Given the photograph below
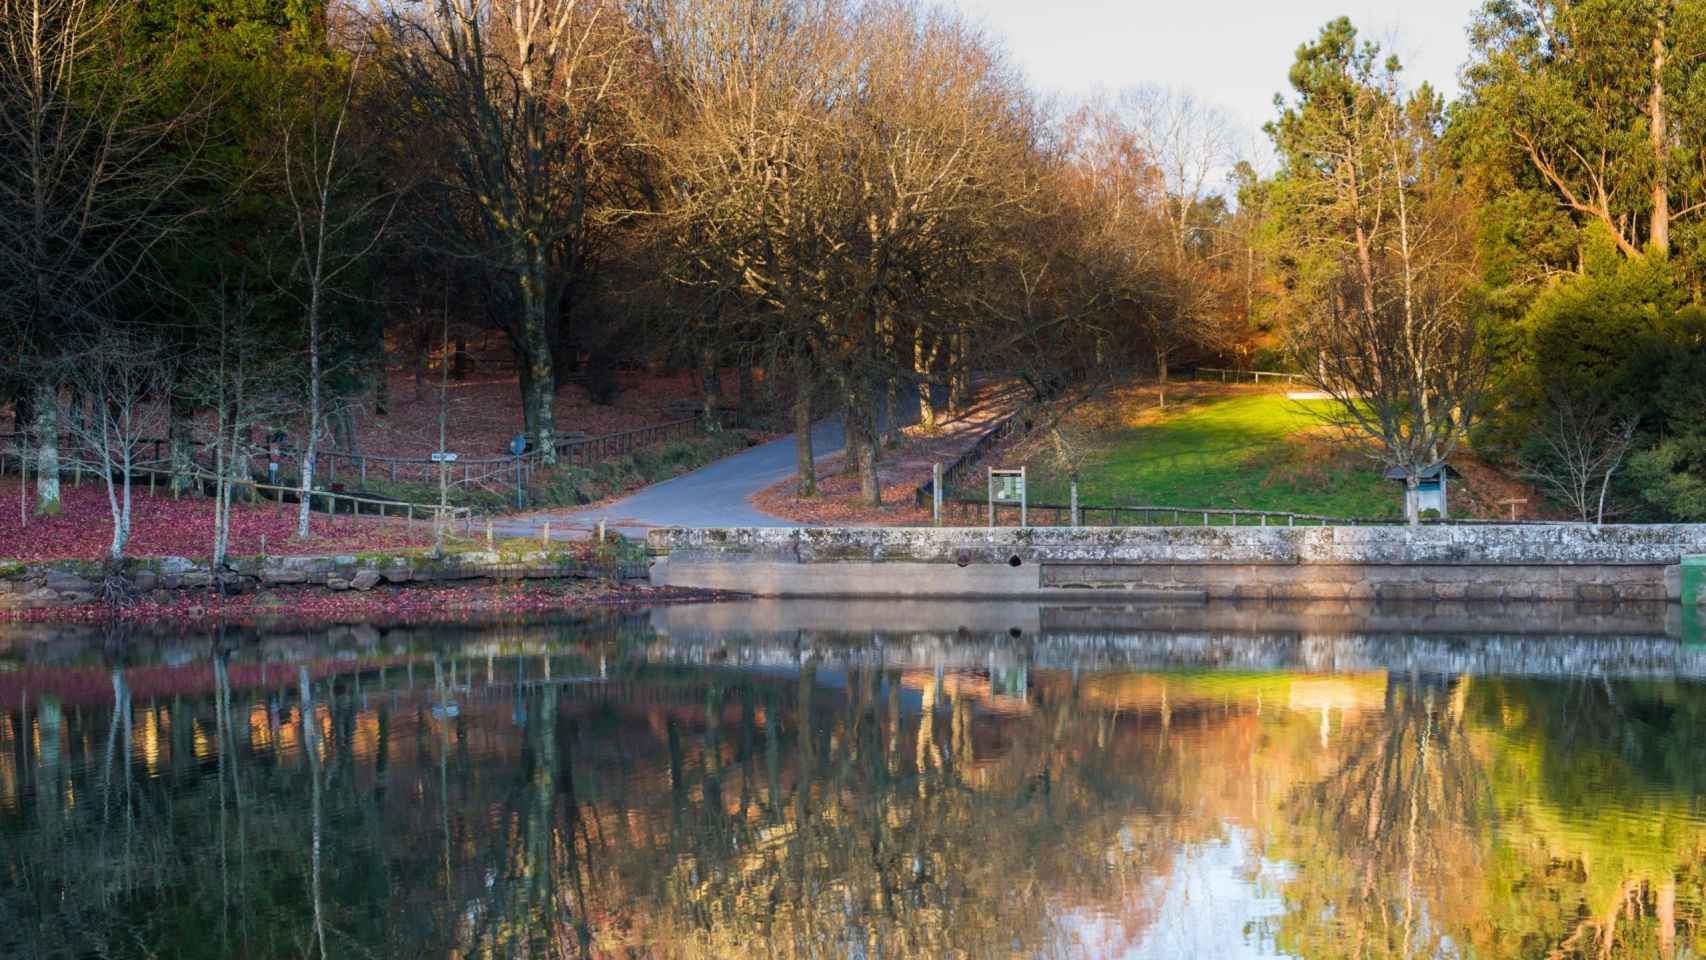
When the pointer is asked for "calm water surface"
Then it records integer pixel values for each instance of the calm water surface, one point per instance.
(830, 780)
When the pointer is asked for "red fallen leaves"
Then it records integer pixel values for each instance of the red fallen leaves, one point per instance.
(417, 603)
(161, 526)
(485, 411)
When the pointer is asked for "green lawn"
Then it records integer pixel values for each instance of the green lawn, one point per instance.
(1248, 451)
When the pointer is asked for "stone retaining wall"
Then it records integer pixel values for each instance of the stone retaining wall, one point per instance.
(1515, 562)
(65, 583)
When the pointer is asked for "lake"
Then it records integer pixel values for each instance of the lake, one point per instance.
(826, 779)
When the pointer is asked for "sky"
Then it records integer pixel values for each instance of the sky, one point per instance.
(1234, 53)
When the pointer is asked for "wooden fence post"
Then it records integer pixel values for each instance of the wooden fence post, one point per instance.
(545, 537)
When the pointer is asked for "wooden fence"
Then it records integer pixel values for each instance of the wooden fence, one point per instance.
(158, 472)
(1244, 376)
(506, 473)
(509, 474)
(966, 463)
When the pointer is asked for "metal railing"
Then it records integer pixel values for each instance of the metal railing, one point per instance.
(975, 512)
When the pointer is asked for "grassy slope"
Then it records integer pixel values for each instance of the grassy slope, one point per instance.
(1248, 450)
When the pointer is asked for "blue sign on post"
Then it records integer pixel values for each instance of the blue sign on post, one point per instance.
(517, 447)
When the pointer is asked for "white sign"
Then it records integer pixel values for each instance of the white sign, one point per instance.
(1007, 486)
(444, 458)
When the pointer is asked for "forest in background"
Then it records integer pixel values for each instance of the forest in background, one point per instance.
(218, 217)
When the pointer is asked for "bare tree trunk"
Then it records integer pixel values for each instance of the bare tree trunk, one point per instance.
(182, 452)
(805, 464)
(311, 447)
(748, 399)
(423, 349)
(542, 381)
(440, 523)
(46, 430)
(529, 410)
(862, 439)
(923, 362)
(710, 390)
(382, 382)
(1160, 380)
(1659, 234)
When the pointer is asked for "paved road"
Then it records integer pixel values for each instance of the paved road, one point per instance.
(712, 496)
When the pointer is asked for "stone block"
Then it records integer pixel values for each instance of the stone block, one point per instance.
(365, 580)
(41, 597)
(60, 581)
(1596, 592)
(337, 583)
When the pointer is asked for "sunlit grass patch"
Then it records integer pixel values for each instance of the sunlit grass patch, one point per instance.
(1256, 451)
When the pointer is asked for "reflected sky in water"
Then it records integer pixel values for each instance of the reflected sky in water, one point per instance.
(832, 780)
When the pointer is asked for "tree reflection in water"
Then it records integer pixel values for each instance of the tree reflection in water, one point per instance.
(511, 795)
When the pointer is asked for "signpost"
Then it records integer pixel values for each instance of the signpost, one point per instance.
(518, 447)
(936, 494)
(1007, 486)
(444, 458)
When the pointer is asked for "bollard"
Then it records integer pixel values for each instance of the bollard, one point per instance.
(601, 521)
(545, 537)
(488, 533)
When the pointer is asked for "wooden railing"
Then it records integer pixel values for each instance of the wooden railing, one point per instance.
(377, 507)
(159, 472)
(1242, 376)
(502, 472)
(509, 474)
(966, 463)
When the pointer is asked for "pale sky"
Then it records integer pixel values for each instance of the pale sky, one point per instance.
(1231, 52)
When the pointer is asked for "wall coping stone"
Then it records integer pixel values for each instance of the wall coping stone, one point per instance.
(1513, 544)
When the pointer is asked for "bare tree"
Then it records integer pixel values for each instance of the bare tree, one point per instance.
(335, 226)
(1150, 157)
(243, 390)
(123, 377)
(1188, 145)
(88, 180)
(1581, 445)
(524, 91)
